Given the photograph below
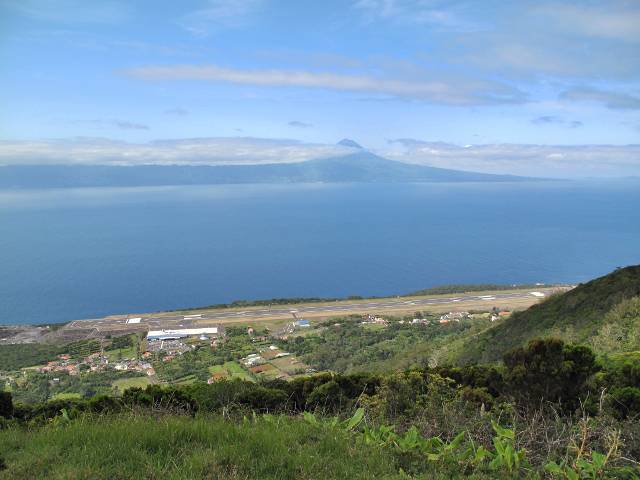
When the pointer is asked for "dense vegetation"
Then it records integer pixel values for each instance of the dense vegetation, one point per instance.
(352, 347)
(39, 387)
(518, 420)
(15, 357)
(590, 313)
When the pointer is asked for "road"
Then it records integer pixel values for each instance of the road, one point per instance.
(144, 322)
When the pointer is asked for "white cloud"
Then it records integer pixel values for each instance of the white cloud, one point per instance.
(611, 20)
(121, 124)
(421, 12)
(613, 100)
(559, 161)
(530, 160)
(556, 120)
(578, 40)
(460, 92)
(299, 124)
(195, 151)
(219, 14)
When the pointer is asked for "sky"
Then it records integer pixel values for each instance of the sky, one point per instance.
(527, 87)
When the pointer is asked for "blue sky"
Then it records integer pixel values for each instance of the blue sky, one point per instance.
(514, 80)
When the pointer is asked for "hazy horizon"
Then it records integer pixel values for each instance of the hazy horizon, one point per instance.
(547, 89)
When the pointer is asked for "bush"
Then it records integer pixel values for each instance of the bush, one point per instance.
(172, 399)
(548, 370)
(264, 399)
(103, 403)
(625, 402)
(6, 405)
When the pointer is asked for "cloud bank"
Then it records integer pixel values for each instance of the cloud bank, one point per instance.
(445, 91)
(560, 161)
(192, 151)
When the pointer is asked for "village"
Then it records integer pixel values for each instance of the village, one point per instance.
(214, 353)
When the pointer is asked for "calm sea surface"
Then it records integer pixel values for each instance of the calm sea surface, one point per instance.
(82, 253)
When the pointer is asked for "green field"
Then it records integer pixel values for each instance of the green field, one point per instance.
(120, 353)
(213, 369)
(188, 380)
(66, 396)
(122, 384)
(232, 370)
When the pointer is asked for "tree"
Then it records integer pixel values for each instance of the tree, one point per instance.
(6, 404)
(549, 370)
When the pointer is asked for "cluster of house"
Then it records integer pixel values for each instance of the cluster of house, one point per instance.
(66, 365)
(453, 317)
(169, 347)
(291, 327)
(370, 319)
(135, 366)
(264, 356)
(96, 362)
(498, 315)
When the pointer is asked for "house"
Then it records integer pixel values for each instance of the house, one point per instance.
(261, 368)
(175, 334)
(453, 317)
(216, 377)
(252, 359)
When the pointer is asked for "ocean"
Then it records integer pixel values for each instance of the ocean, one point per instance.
(69, 254)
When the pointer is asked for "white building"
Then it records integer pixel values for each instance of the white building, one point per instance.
(180, 333)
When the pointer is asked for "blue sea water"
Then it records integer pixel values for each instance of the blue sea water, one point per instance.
(83, 253)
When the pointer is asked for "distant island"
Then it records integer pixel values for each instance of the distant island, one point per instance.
(361, 166)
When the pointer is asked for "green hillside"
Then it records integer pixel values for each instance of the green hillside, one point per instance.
(178, 447)
(603, 313)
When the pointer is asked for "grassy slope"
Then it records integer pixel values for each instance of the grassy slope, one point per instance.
(575, 316)
(186, 448)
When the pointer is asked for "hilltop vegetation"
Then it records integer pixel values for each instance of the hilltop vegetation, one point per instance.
(603, 313)
(518, 421)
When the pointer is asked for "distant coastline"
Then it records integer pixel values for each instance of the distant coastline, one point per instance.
(360, 167)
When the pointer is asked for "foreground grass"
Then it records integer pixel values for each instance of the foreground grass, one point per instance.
(122, 447)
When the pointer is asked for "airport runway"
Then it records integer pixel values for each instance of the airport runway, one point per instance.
(192, 320)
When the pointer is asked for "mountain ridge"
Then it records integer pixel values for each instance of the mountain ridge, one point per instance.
(360, 166)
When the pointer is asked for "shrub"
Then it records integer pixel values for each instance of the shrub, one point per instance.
(625, 402)
(6, 404)
(262, 398)
(549, 370)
